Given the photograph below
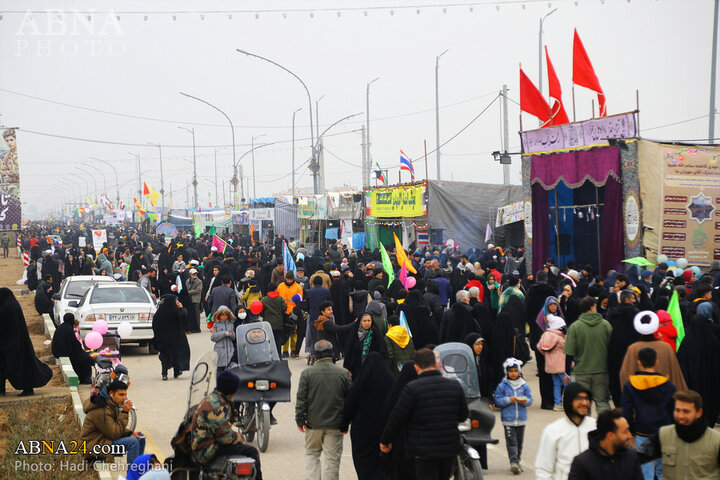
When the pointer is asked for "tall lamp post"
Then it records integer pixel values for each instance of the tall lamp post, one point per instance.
(437, 112)
(139, 184)
(252, 151)
(540, 48)
(194, 164)
(162, 178)
(312, 139)
(232, 130)
(317, 115)
(368, 168)
(117, 184)
(88, 164)
(293, 153)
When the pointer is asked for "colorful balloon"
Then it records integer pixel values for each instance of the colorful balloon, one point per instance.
(100, 327)
(410, 283)
(93, 340)
(125, 329)
(256, 307)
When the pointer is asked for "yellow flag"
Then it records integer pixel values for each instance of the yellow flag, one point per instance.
(401, 256)
(153, 195)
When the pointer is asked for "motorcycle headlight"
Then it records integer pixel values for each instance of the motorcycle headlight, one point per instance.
(262, 385)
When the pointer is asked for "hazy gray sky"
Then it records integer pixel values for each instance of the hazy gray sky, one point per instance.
(136, 66)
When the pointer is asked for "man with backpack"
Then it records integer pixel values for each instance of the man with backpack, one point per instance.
(210, 433)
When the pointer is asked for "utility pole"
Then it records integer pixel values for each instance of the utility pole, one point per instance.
(216, 182)
(713, 74)
(293, 150)
(365, 167)
(506, 135)
(437, 112)
(368, 159)
(321, 165)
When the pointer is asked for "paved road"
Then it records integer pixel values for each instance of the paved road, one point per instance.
(161, 406)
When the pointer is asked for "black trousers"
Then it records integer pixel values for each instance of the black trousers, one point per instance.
(546, 384)
(242, 449)
(433, 468)
(301, 326)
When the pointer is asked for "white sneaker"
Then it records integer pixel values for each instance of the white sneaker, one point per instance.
(515, 469)
(558, 408)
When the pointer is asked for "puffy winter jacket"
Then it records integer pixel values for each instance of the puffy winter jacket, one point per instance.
(560, 443)
(595, 464)
(273, 310)
(512, 414)
(551, 346)
(430, 408)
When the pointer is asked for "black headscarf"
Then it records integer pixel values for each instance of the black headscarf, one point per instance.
(18, 362)
(43, 302)
(699, 358)
(169, 332)
(66, 344)
(354, 361)
(417, 313)
(482, 362)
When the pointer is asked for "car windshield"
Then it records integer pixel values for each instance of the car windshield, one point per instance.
(78, 288)
(119, 295)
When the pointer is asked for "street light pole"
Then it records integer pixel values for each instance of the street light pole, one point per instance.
(540, 48)
(88, 164)
(252, 150)
(312, 139)
(437, 112)
(293, 152)
(139, 185)
(368, 168)
(232, 129)
(317, 115)
(195, 182)
(117, 183)
(162, 179)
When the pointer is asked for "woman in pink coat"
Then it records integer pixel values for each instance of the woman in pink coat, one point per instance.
(551, 346)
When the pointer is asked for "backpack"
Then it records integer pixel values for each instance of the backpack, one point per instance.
(181, 441)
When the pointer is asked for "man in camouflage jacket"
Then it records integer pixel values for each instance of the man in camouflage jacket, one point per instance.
(211, 430)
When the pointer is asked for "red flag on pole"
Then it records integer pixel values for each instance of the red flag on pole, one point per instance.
(532, 101)
(584, 73)
(558, 115)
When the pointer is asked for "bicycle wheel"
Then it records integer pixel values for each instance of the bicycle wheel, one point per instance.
(263, 430)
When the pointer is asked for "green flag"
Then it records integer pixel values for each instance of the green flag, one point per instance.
(387, 265)
(212, 230)
(198, 230)
(674, 311)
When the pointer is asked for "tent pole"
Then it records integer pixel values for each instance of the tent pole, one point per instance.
(597, 227)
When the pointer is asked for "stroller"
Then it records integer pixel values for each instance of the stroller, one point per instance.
(109, 368)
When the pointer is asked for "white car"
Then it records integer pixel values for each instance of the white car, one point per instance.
(117, 303)
(72, 290)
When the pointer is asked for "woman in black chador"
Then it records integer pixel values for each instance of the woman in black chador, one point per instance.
(170, 339)
(66, 344)
(18, 362)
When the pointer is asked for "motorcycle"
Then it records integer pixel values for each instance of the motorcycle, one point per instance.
(456, 361)
(109, 368)
(264, 378)
(223, 467)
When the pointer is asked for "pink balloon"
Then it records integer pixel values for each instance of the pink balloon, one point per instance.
(93, 340)
(410, 282)
(100, 327)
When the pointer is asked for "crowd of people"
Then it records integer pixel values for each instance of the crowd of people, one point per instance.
(593, 337)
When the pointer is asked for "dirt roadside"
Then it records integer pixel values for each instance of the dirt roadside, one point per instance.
(46, 416)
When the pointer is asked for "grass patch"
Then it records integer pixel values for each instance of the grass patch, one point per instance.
(43, 419)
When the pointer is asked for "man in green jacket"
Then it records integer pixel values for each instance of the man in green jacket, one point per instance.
(587, 341)
(318, 411)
